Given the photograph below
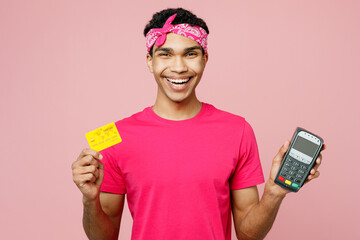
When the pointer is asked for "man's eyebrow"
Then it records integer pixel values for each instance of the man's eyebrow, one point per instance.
(192, 48)
(164, 49)
(171, 50)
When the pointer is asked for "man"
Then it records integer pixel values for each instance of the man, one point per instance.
(183, 164)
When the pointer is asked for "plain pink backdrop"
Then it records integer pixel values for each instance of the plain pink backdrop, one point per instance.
(68, 67)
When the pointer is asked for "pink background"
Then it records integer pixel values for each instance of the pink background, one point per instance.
(68, 67)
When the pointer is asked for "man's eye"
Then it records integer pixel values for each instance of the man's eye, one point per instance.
(190, 54)
(164, 54)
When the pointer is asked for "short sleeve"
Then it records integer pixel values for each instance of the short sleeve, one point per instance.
(113, 181)
(248, 171)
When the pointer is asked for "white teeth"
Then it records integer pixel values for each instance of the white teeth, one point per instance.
(178, 81)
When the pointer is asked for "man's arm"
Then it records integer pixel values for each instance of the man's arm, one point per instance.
(253, 219)
(102, 211)
(102, 217)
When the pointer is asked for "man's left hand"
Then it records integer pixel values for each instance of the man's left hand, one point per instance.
(314, 173)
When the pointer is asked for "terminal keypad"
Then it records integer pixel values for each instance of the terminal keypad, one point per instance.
(292, 172)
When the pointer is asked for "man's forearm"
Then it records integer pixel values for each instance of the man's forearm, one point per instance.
(259, 220)
(97, 224)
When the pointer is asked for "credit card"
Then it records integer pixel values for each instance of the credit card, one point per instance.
(103, 137)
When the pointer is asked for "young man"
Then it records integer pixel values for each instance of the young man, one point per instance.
(183, 164)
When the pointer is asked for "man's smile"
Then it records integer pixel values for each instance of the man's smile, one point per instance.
(178, 80)
(178, 84)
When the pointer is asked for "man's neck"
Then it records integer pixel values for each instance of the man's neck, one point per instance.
(177, 110)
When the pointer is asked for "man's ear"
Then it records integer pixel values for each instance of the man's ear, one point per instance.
(149, 60)
(205, 58)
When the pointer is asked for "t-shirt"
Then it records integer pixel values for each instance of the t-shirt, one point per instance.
(178, 174)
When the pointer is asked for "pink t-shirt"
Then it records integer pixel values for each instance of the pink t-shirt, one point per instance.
(178, 174)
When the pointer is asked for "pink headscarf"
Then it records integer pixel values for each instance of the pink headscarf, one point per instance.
(158, 35)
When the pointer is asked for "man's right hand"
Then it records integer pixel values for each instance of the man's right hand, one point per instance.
(88, 173)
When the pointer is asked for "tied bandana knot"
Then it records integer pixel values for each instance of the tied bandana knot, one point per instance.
(164, 30)
(157, 36)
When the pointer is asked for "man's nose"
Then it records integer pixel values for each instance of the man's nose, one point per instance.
(178, 65)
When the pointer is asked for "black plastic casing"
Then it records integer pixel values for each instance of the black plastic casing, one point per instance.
(309, 167)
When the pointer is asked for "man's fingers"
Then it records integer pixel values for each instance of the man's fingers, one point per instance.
(81, 180)
(89, 160)
(91, 152)
(314, 173)
(85, 160)
(278, 159)
(323, 147)
(314, 170)
(313, 176)
(87, 169)
(318, 162)
(91, 166)
(280, 155)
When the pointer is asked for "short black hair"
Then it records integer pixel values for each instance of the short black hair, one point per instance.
(183, 16)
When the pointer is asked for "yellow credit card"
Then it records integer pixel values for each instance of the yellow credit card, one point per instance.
(103, 137)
